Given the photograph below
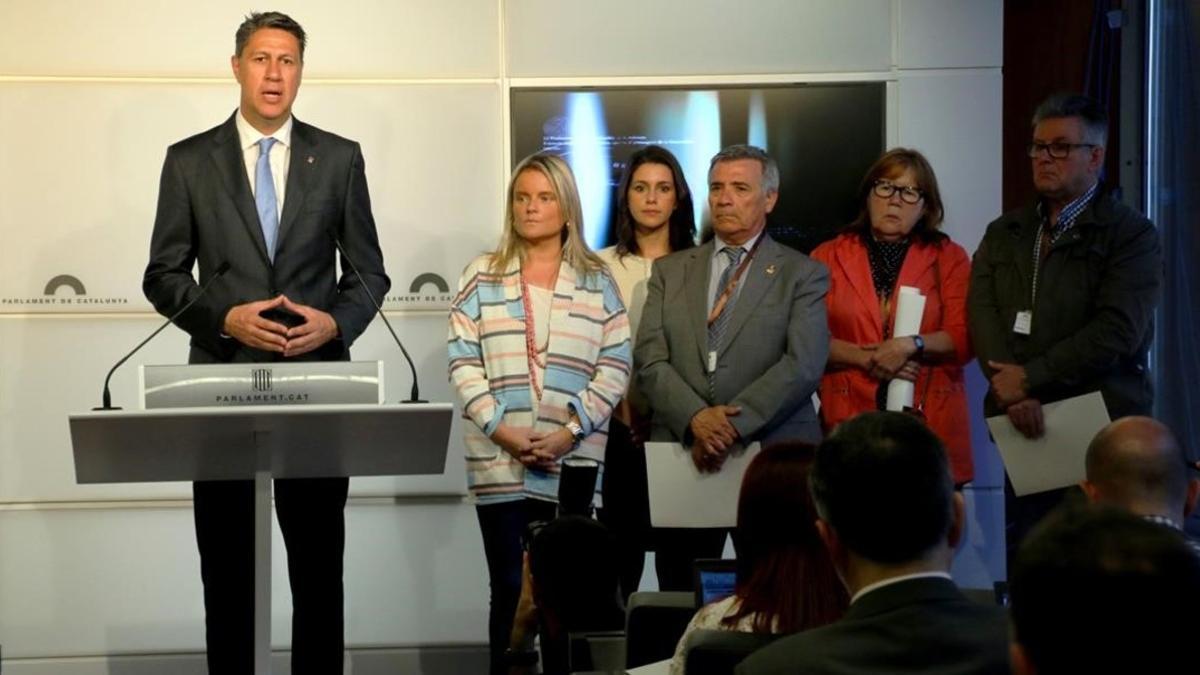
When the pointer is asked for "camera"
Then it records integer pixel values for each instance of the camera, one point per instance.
(576, 489)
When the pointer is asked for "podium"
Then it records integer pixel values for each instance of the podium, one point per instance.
(259, 443)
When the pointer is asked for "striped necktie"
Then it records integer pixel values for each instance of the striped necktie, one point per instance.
(716, 330)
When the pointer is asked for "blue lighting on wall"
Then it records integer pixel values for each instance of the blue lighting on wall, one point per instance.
(756, 128)
(701, 123)
(591, 161)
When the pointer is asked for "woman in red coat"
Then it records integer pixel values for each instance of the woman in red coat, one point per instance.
(895, 242)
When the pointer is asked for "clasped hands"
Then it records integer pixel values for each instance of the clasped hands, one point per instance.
(534, 449)
(891, 359)
(713, 435)
(1009, 388)
(246, 324)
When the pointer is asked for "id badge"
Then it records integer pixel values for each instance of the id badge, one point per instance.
(1024, 323)
(712, 361)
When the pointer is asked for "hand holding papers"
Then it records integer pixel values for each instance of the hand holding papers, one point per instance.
(682, 496)
(910, 307)
(1056, 459)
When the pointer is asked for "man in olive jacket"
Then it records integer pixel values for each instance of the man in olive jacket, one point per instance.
(1063, 291)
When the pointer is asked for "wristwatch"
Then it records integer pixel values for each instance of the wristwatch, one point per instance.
(919, 342)
(576, 431)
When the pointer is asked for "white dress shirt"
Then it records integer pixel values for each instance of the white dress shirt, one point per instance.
(281, 153)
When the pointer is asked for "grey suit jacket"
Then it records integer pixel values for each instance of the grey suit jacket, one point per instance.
(206, 214)
(777, 342)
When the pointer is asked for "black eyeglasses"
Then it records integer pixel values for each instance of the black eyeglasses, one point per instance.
(1055, 150)
(884, 189)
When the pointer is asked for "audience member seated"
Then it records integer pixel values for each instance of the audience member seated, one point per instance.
(785, 581)
(889, 515)
(1136, 464)
(569, 585)
(1100, 590)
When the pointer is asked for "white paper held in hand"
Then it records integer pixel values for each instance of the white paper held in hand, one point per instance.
(910, 307)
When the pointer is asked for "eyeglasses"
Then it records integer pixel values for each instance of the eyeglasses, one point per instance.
(884, 189)
(1055, 150)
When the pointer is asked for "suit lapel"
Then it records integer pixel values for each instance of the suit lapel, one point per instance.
(852, 258)
(301, 167)
(1025, 232)
(695, 280)
(755, 282)
(230, 164)
(917, 261)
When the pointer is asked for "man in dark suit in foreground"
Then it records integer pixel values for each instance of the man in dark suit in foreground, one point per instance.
(262, 193)
(891, 520)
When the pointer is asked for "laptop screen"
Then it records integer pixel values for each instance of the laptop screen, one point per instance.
(714, 580)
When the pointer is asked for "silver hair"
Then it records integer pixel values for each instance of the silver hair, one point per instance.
(770, 177)
(1089, 111)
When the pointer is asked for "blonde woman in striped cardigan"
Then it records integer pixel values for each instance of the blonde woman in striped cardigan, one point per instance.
(539, 353)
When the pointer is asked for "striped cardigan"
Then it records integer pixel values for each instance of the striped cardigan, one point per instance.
(587, 368)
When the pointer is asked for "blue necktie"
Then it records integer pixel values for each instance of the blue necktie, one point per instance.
(264, 196)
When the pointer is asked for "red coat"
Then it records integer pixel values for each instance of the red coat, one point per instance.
(941, 271)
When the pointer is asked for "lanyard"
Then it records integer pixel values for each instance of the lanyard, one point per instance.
(1037, 262)
(727, 292)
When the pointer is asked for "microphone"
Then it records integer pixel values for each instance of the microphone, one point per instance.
(415, 394)
(106, 397)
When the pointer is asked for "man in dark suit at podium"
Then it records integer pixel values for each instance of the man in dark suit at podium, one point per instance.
(263, 192)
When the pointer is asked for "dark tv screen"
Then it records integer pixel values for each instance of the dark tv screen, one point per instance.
(823, 136)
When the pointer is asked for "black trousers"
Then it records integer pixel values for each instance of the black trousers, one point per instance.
(677, 549)
(502, 526)
(626, 511)
(1022, 514)
(312, 521)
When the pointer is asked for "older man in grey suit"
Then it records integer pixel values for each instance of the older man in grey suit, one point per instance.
(733, 340)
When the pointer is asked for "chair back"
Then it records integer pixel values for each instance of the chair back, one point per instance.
(717, 652)
(654, 622)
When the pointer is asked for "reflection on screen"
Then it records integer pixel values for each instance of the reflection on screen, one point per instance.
(823, 136)
(716, 585)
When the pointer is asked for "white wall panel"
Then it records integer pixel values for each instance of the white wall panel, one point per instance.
(547, 38)
(83, 582)
(980, 558)
(51, 367)
(367, 38)
(78, 193)
(950, 33)
(954, 118)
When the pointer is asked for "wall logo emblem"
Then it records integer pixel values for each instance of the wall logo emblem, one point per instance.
(261, 379)
(67, 280)
(63, 292)
(428, 278)
(428, 290)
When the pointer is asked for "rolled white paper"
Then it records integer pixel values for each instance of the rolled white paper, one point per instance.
(910, 307)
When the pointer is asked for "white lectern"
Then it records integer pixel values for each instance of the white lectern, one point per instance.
(260, 442)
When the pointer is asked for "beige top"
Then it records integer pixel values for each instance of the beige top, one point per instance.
(540, 300)
(709, 617)
(632, 274)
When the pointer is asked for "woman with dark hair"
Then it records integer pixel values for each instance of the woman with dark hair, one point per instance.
(785, 580)
(655, 217)
(895, 241)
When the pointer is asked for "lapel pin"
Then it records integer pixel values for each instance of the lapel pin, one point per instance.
(311, 159)
(770, 270)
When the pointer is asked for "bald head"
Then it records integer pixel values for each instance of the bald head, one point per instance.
(1136, 463)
